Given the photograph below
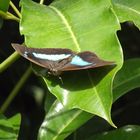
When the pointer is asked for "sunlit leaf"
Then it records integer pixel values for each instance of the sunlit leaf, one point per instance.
(127, 10)
(124, 81)
(60, 122)
(61, 25)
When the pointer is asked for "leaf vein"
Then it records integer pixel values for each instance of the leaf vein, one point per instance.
(68, 26)
(96, 92)
(126, 81)
(126, 7)
(68, 122)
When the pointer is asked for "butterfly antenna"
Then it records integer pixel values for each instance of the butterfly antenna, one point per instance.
(60, 78)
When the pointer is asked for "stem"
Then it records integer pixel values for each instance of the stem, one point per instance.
(11, 16)
(41, 1)
(15, 9)
(8, 16)
(16, 89)
(11, 59)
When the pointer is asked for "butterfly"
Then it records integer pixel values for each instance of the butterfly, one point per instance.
(58, 60)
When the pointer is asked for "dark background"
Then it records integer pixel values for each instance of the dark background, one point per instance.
(33, 112)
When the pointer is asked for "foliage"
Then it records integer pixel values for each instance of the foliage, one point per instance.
(78, 25)
(127, 132)
(9, 127)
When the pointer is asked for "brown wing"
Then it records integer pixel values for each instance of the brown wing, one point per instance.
(28, 53)
(92, 60)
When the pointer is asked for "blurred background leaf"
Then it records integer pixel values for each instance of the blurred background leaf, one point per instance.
(4, 4)
(9, 128)
(127, 78)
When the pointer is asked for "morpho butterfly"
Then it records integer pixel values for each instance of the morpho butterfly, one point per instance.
(57, 60)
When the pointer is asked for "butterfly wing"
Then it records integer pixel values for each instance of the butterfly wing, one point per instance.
(86, 60)
(45, 57)
(58, 60)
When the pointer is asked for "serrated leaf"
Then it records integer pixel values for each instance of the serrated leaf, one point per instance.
(127, 10)
(61, 25)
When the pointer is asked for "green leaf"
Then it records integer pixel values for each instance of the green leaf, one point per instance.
(9, 128)
(127, 78)
(130, 132)
(78, 25)
(4, 4)
(124, 81)
(127, 10)
(60, 122)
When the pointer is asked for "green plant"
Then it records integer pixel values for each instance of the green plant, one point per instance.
(78, 25)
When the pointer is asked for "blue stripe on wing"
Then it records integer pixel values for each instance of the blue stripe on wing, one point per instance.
(51, 57)
(76, 60)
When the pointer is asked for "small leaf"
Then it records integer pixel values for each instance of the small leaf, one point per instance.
(9, 128)
(127, 10)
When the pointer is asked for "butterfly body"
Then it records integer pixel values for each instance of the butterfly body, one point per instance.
(57, 60)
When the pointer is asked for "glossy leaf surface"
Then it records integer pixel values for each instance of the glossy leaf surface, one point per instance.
(124, 82)
(60, 122)
(61, 25)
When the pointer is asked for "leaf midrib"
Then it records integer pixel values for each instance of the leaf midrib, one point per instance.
(68, 26)
(73, 36)
(97, 95)
(68, 122)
